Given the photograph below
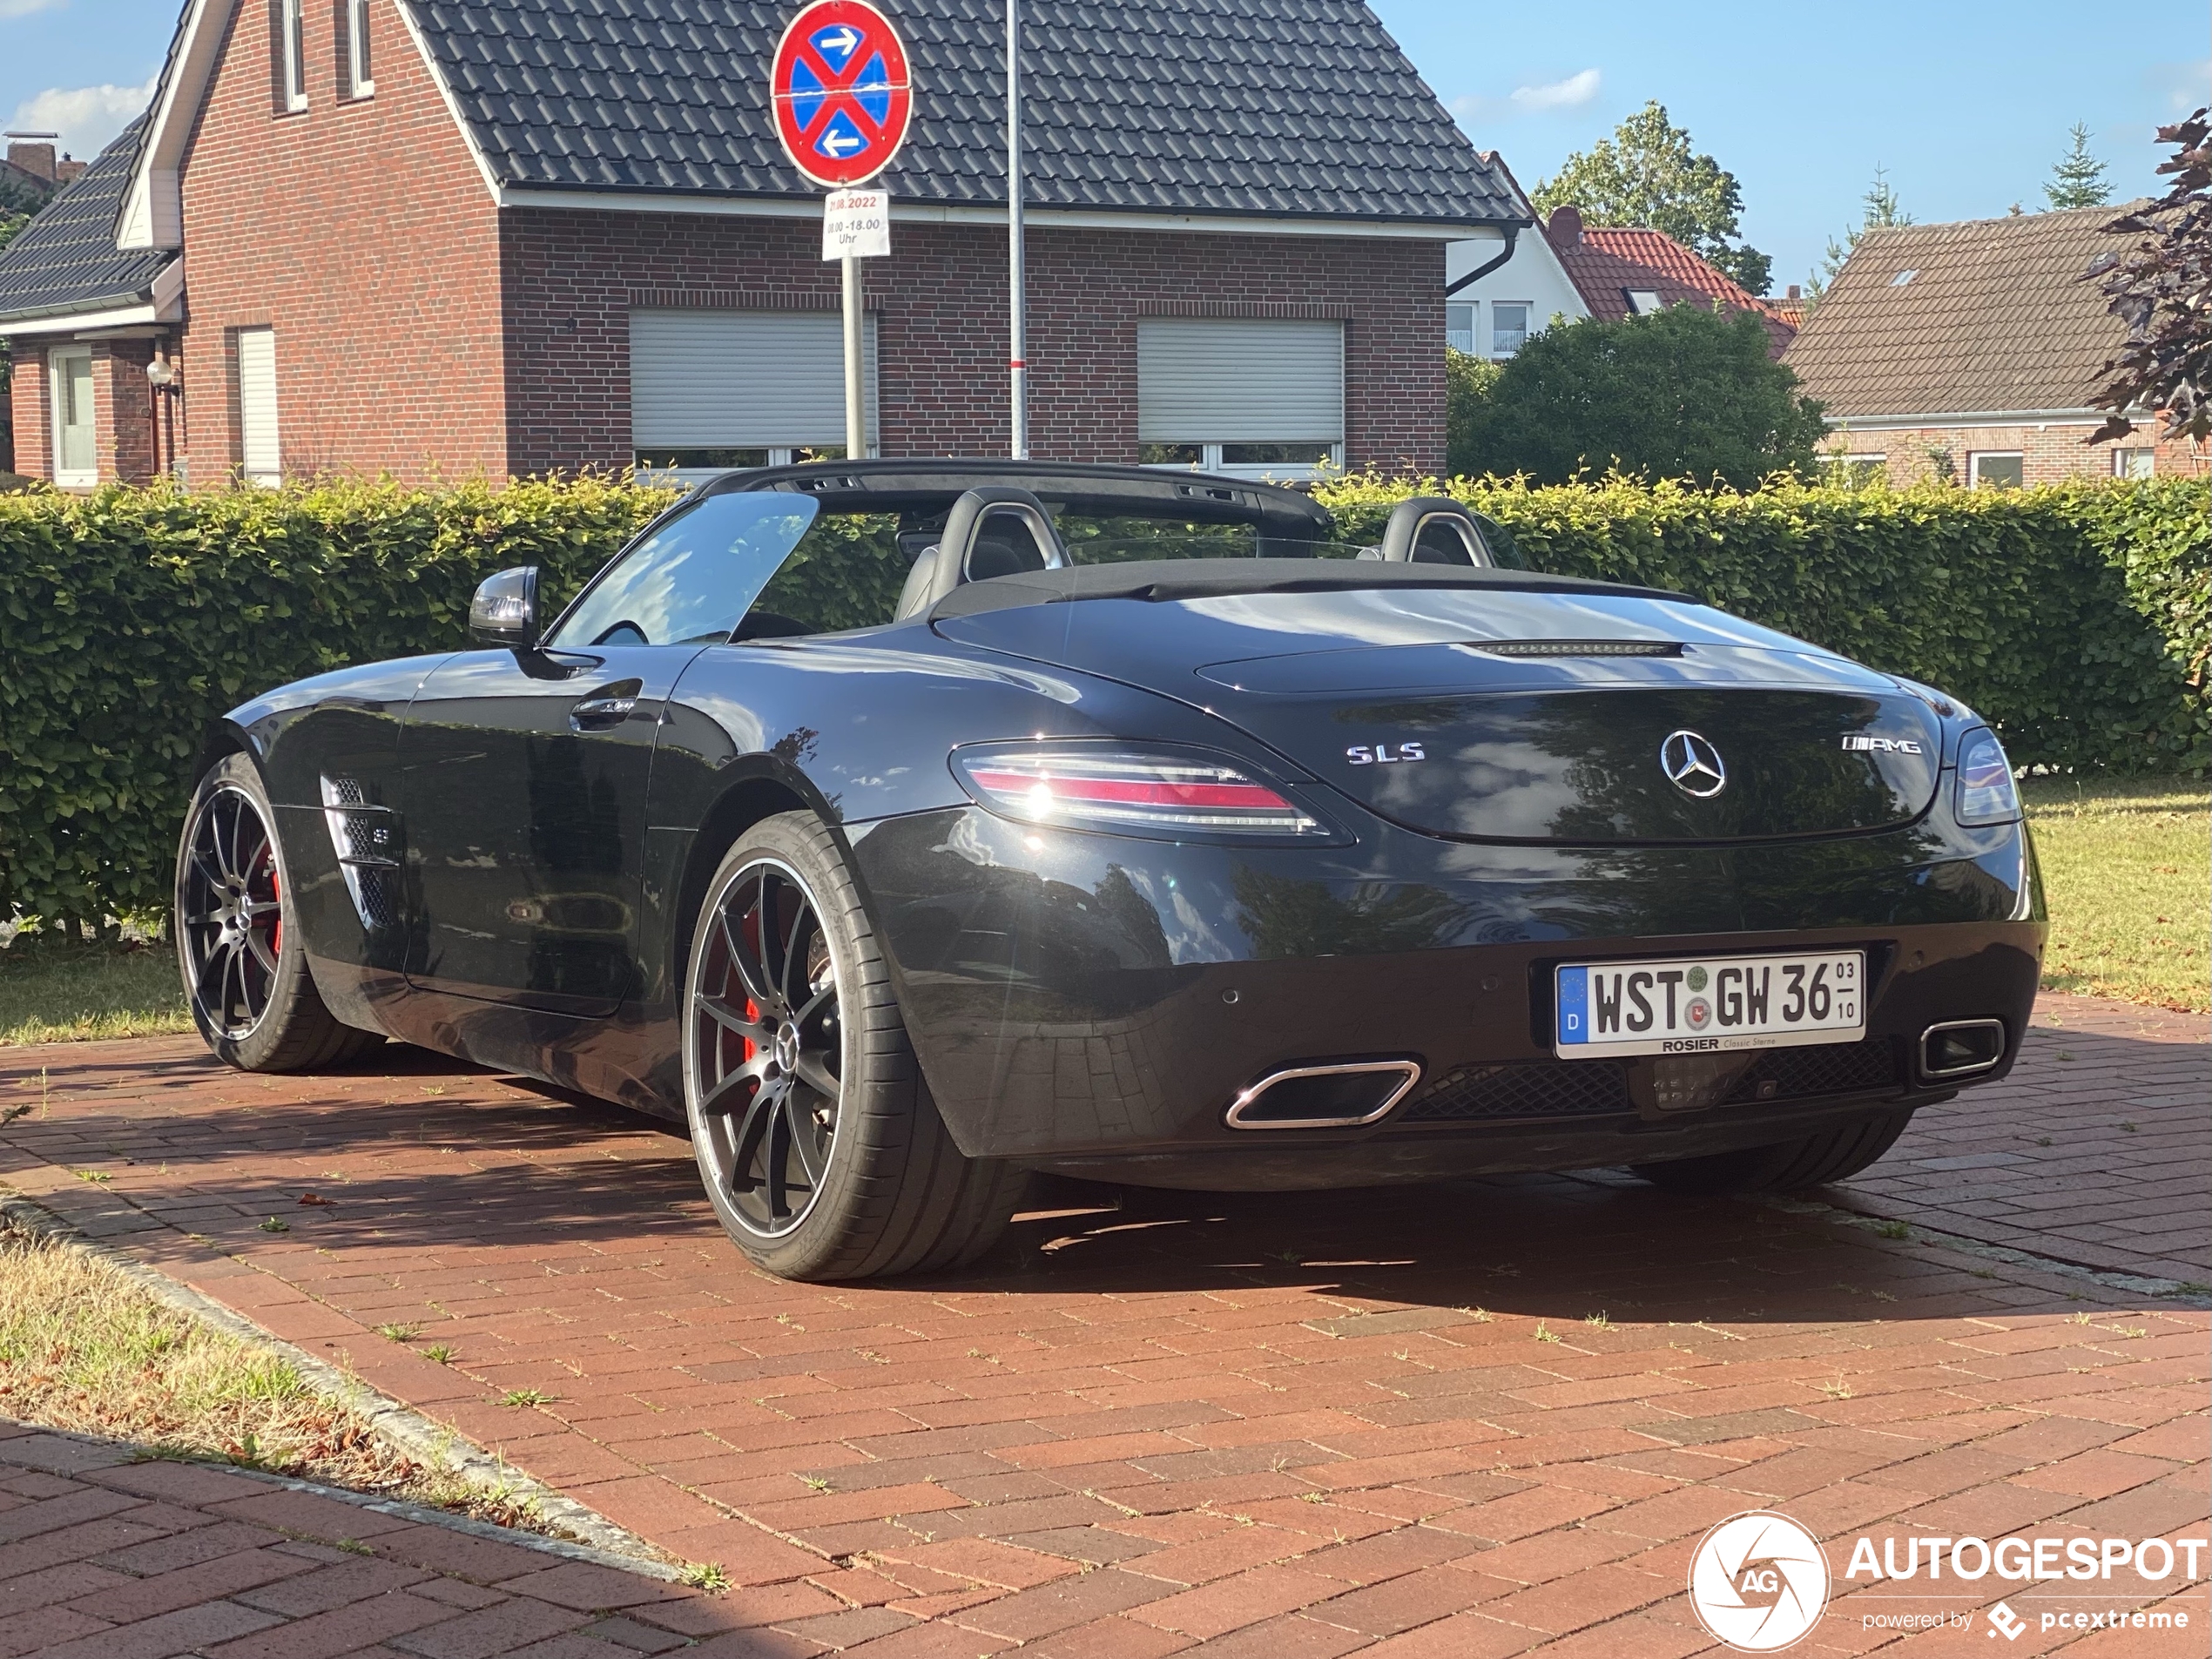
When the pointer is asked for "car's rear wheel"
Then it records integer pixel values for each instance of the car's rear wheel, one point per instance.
(1832, 1154)
(820, 1147)
(238, 943)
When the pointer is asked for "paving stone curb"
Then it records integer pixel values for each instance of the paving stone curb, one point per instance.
(602, 1542)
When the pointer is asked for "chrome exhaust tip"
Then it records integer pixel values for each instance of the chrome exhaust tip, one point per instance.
(1345, 1095)
(1962, 1047)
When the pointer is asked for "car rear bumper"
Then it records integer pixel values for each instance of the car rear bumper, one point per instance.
(1097, 1004)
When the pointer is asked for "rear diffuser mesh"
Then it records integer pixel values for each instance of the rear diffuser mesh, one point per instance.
(1541, 1088)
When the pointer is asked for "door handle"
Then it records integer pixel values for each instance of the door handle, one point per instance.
(608, 706)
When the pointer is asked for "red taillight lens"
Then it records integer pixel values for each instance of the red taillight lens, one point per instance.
(1160, 793)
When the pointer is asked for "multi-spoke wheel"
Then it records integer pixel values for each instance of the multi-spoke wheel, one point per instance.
(245, 975)
(817, 1141)
(769, 1048)
(230, 920)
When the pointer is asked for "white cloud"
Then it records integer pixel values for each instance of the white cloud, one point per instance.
(24, 8)
(1571, 93)
(86, 116)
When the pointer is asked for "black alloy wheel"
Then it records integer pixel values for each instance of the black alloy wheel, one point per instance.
(766, 1047)
(231, 913)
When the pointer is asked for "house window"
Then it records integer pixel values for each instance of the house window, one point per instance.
(292, 52)
(1856, 468)
(77, 456)
(1509, 327)
(1642, 301)
(260, 456)
(1997, 469)
(1234, 394)
(360, 73)
(2134, 463)
(713, 390)
(1458, 328)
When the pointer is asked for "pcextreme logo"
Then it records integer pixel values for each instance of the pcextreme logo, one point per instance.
(1758, 1582)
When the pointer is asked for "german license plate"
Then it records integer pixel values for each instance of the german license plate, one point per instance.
(1709, 1005)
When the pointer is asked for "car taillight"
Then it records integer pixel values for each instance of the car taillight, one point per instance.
(1985, 793)
(1167, 793)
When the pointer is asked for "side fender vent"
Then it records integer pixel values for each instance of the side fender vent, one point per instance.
(365, 838)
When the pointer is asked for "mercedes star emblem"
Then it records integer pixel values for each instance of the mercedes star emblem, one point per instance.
(1693, 764)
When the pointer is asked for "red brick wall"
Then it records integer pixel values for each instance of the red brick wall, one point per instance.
(2049, 453)
(571, 278)
(362, 232)
(34, 416)
(121, 398)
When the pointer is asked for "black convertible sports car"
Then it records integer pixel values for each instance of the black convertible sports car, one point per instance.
(907, 826)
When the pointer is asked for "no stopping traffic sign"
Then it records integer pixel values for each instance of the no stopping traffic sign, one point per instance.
(840, 93)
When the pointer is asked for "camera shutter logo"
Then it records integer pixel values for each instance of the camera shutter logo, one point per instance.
(1758, 1582)
(1693, 764)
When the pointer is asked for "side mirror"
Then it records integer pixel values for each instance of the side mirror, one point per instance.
(504, 611)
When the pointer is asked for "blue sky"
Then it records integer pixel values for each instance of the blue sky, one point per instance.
(1965, 103)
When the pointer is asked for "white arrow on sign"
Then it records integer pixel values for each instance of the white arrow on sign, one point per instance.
(844, 40)
(838, 142)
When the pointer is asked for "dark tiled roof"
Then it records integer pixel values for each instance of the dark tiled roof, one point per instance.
(1994, 317)
(1604, 262)
(1277, 107)
(66, 260)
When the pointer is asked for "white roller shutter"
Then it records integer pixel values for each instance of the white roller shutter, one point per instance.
(1239, 380)
(257, 405)
(701, 380)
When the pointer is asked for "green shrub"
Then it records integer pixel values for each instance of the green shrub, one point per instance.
(2078, 619)
(1682, 393)
(131, 618)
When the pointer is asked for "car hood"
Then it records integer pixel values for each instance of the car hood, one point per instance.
(1521, 715)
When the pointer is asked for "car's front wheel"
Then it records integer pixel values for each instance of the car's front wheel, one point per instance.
(1832, 1154)
(816, 1138)
(237, 940)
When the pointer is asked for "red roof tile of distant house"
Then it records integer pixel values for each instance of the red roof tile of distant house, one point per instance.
(1613, 269)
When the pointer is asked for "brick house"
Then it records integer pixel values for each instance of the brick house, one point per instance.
(424, 236)
(1969, 351)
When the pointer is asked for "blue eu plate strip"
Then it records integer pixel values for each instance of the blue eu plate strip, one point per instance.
(1574, 1005)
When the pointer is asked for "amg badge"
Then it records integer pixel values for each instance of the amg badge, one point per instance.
(1859, 743)
(1381, 754)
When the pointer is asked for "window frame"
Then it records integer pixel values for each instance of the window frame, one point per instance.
(1635, 297)
(1473, 309)
(1260, 472)
(57, 393)
(361, 66)
(1527, 312)
(2120, 457)
(292, 53)
(1976, 457)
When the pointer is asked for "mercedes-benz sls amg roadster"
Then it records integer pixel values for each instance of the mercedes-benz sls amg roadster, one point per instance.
(906, 827)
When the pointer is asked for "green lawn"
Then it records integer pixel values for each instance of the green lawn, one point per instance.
(2128, 865)
(2128, 868)
(73, 997)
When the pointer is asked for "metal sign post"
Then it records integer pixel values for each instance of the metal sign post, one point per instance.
(856, 226)
(1017, 352)
(842, 103)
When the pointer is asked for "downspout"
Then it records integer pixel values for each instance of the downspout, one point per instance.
(1513, 234)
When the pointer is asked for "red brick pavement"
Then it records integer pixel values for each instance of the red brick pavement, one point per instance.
(1483, 1419)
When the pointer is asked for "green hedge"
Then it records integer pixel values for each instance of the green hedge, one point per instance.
(2079, 618)
(130, 618)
